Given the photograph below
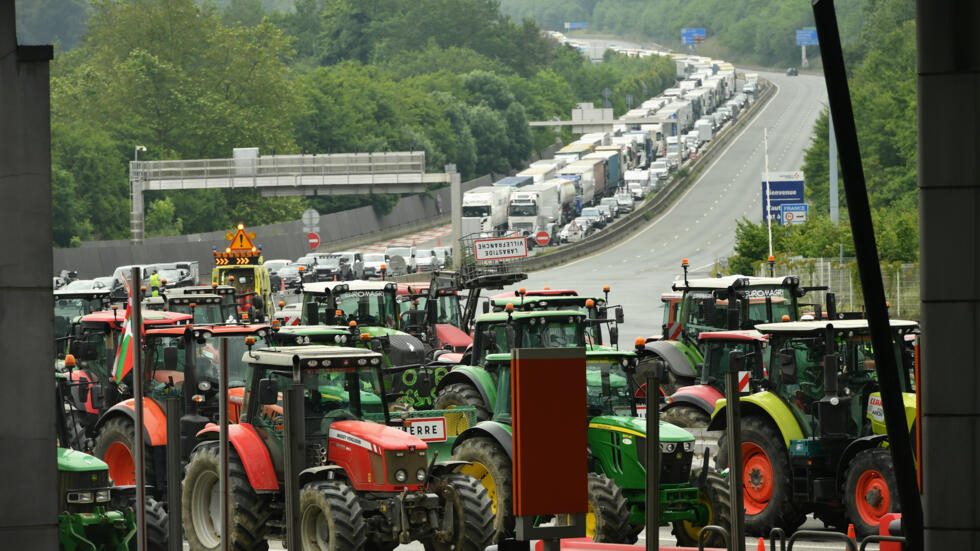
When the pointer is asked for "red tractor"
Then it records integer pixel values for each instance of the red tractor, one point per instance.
(366, 483)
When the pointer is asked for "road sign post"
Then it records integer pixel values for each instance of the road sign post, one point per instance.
(784, 188)
(794, 213)
(314, 239)
(692, 36)
(542, 238)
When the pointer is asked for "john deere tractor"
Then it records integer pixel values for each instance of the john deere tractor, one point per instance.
(617, 460)
(368, 482)
(814, 440)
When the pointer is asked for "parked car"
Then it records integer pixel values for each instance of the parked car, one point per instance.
(576, 230)
(407, 255)
(373, 263)
(445, 255)
(289, 276)
(595, 216)
(354, 261)
(275, 264)
(792, 72)
(625, 200)
(612, 204)
(426, 260)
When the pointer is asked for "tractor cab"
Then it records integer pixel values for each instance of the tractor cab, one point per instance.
(499, 332)
(70, 305)
(227, 302)
(369, 303)
(432, 311)
(595, 308)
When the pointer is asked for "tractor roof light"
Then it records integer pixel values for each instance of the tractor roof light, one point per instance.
(640, 342)
(684, 263)
(365, 337)
(509, 307)
(352, 323)
(605, 288)
(589, 303)
(785, 317)
(282, 303)
(249, 341)
(70, 361)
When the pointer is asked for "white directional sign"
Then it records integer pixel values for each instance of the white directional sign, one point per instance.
(310, 218)
(500, 248)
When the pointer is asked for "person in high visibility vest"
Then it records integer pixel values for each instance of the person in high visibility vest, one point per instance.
(155, 284)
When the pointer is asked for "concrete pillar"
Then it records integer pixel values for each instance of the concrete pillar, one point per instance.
(456, 202)
(949, 203)
(28, 462)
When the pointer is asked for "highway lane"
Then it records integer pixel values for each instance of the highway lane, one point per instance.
(700, 226)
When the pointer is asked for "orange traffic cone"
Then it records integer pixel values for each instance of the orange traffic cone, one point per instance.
(762, 544)
(850, 532)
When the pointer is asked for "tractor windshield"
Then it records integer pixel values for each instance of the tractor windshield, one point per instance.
(551, 332)
(607, 386)
(377, 308)
(204, 314)
(716, 360)
(707, 310)
(448, 310)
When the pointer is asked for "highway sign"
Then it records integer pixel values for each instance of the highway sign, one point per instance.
(807, 37)
(542, 238)
(311, 217)
(314, 239)
(692, 36)
(578, 25)
(794, 213)
(500, 248)
(784, 188)
(242, 242)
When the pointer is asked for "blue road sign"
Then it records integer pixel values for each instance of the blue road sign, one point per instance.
(794, 213)
(784, 188)
(579, 25)
(691, 36)
(806, 37)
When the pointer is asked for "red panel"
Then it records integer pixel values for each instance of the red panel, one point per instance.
(703, 392)
(586, 544)
(253, 453)
(550, 461)
(453, 336)
(154, 419)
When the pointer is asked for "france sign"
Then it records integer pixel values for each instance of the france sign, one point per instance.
(784, 187)
(794, 213)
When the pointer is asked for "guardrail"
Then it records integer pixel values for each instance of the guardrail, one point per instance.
(651, 207)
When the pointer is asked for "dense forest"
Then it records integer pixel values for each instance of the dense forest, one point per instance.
(882, 79)
(193, 80)
(761, 32)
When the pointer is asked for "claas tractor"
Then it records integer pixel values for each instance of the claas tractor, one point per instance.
(705, 307)
(181, 362)
(70, 305)
(617, 460)
(206, 309)
(691, 406)
(814, 440)
(595, 307)
(432, 311)
(366, 482)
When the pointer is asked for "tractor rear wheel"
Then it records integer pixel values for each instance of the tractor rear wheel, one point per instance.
(491, 467)
(607, 520)
(115, 444)
(870, 490)
(463, 394)
(473, 522)
(331, 518)
(718, 500)
(766, 483)
(200, 511)
(685, 416)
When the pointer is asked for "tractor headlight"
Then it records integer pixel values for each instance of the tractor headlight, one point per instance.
(299, 340)
(689, 446)
(668, 447)
(79, 497)
(336, 339)
(401, 475)
(420, 474)
(101, 496)
(343, 338)
(204, 386)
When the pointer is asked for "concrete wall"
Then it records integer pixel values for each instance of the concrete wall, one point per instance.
(949, 203)
(338, 231)
(29, 498)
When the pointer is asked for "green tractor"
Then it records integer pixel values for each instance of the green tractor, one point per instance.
(815, 441)
(617, 460)
(705, 307)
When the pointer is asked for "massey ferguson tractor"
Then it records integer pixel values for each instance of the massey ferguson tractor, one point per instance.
(367, 483)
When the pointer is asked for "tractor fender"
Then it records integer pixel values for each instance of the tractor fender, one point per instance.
(767, 405)
(852, 449)
(677, 362)
(703, 397)
(154, 419)
(489, 429)
(252, 451)
(446, 467)
(475, 376)
(453, 336)
(322, 472)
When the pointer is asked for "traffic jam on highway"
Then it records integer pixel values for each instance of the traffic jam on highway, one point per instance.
(372, 389)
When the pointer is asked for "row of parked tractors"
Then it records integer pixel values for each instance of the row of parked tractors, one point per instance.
(407, 409)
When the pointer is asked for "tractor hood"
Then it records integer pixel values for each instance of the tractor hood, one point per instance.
(374, 437)
(637, 426)
(453, 336)
(76, 461)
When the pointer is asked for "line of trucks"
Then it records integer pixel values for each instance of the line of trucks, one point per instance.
(636, 157)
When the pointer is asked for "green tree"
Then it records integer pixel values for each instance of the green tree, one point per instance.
(161, 219)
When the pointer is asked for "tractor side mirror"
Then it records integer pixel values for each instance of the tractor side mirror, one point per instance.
(312, 313)
(736, 361)
(486, 307)
(651, 366)
(85, 351)
(98, 396)
(614, 336)
(268, 392)
(620, 318)
(787, 366)
(732, 315)
(170, 358)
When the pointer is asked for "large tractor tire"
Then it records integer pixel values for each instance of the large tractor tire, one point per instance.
(116, 444)
(766, 478)
(870, 490)
(718, 499)
(200, 513)
(491, 467)
(331, 518)
(685, 416)
(607, 519)
(157, 528)
(462, 395)
(473, 520)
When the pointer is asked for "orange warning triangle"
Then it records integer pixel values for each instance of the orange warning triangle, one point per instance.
(241, 242)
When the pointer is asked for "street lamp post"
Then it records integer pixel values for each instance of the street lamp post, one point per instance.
(136, 152)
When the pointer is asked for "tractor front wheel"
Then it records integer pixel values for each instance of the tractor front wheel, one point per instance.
(766, 483)
(607, 519)
(331, 518)
(716, 497)
(870, 490)
(200, 509)
(491, 467)
(473, 519)
(115, 444)
(462, 395)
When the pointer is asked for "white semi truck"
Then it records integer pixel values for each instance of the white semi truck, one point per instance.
(542, 207)
(485, 209)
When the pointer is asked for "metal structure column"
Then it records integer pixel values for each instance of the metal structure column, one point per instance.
(949, 201)
(30, 512)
